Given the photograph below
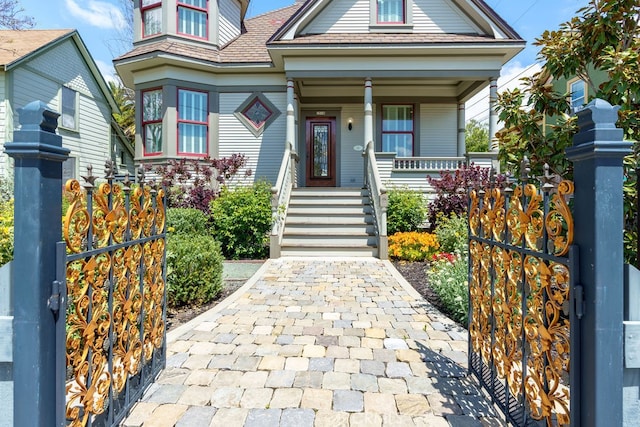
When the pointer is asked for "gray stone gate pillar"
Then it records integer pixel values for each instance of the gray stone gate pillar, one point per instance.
(597, 155)
(38, 155)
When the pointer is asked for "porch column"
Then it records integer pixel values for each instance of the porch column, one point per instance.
(462, 149)
(291, 115)
(493, 115)
(368, 111)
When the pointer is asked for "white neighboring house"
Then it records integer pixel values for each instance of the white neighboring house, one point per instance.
(55, 67)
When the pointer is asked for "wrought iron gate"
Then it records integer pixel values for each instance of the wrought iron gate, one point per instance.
(111, 279)
(522, 279)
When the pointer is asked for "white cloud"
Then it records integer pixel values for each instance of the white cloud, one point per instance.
(107, 70)
(99, 14)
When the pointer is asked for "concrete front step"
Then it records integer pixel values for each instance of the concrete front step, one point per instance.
(318, 210)
(332, 229)
(331, 240)
(329, 222)
(287, 251)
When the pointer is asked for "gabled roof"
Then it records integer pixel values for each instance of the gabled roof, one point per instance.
(19, 46)
(264, 32)
(480, 10)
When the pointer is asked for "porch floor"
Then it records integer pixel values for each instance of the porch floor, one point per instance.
(317, 342)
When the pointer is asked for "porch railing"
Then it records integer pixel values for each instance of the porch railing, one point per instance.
(280, 194)
(379, 198)
(427, 164)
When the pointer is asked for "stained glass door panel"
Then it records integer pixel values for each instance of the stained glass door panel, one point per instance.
(320, 152)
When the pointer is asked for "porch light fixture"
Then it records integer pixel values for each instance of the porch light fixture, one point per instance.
(350, 125)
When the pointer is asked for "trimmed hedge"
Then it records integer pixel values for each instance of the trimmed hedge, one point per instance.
(242, 220)
(194, 269)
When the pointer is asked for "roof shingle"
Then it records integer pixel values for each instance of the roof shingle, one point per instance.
(16, 44)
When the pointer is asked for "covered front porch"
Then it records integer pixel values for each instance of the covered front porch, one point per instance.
(415, 126)
(365, 133)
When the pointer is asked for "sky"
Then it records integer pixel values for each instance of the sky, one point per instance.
(100, 23)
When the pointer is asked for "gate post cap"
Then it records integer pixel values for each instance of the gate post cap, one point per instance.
(37, 116)
(599, 114)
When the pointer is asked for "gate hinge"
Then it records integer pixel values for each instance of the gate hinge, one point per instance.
(578, 298)
(54, 299)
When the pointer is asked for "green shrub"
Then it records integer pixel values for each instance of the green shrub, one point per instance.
(406, 210)
(452, 233)
(187, 221)
(242, 221)
(6, 231)
(449, 281)
(194, 269)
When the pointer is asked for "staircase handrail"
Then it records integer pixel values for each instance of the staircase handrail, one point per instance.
(378, 195)
(280, 194)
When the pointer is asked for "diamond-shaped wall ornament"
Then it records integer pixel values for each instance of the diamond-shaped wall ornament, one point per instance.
(257, 113)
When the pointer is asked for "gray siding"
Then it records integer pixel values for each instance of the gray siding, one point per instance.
(440, 16)
(229, 21)
(234, 137)
(438, 130)
(342, 16)
(429, 16)
(43, 78)
(351, 161)
(6, 124)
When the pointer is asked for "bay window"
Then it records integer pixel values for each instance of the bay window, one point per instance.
(152, 121)
(151, 11)
(192, 122)
(391, 11)
(398, 129)
(192, 18)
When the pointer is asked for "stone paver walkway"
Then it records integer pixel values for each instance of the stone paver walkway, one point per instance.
(314, 342)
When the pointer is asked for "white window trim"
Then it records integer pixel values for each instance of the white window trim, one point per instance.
(375, 26)
(76, 113)
(570, 83)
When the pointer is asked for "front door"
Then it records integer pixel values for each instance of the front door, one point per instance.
(321, 152)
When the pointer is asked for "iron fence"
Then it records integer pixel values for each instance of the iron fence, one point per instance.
(111, 274)
(522, 277)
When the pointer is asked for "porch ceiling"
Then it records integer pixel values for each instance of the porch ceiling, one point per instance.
(351, 90)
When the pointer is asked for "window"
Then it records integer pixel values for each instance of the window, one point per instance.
(257, 113)
(192, 122)
(68, 118)
(397, 129)
(152, 121)
(192, 18)
(578, 94)
(391, 11)
(151, 11)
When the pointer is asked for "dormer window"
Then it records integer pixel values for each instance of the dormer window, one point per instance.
(391, 12)
(192, 18)
(151, 11)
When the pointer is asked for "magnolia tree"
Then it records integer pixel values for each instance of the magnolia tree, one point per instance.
(604, 40)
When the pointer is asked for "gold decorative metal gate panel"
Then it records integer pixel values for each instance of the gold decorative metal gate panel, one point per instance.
(522, 322)
(114, 262)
